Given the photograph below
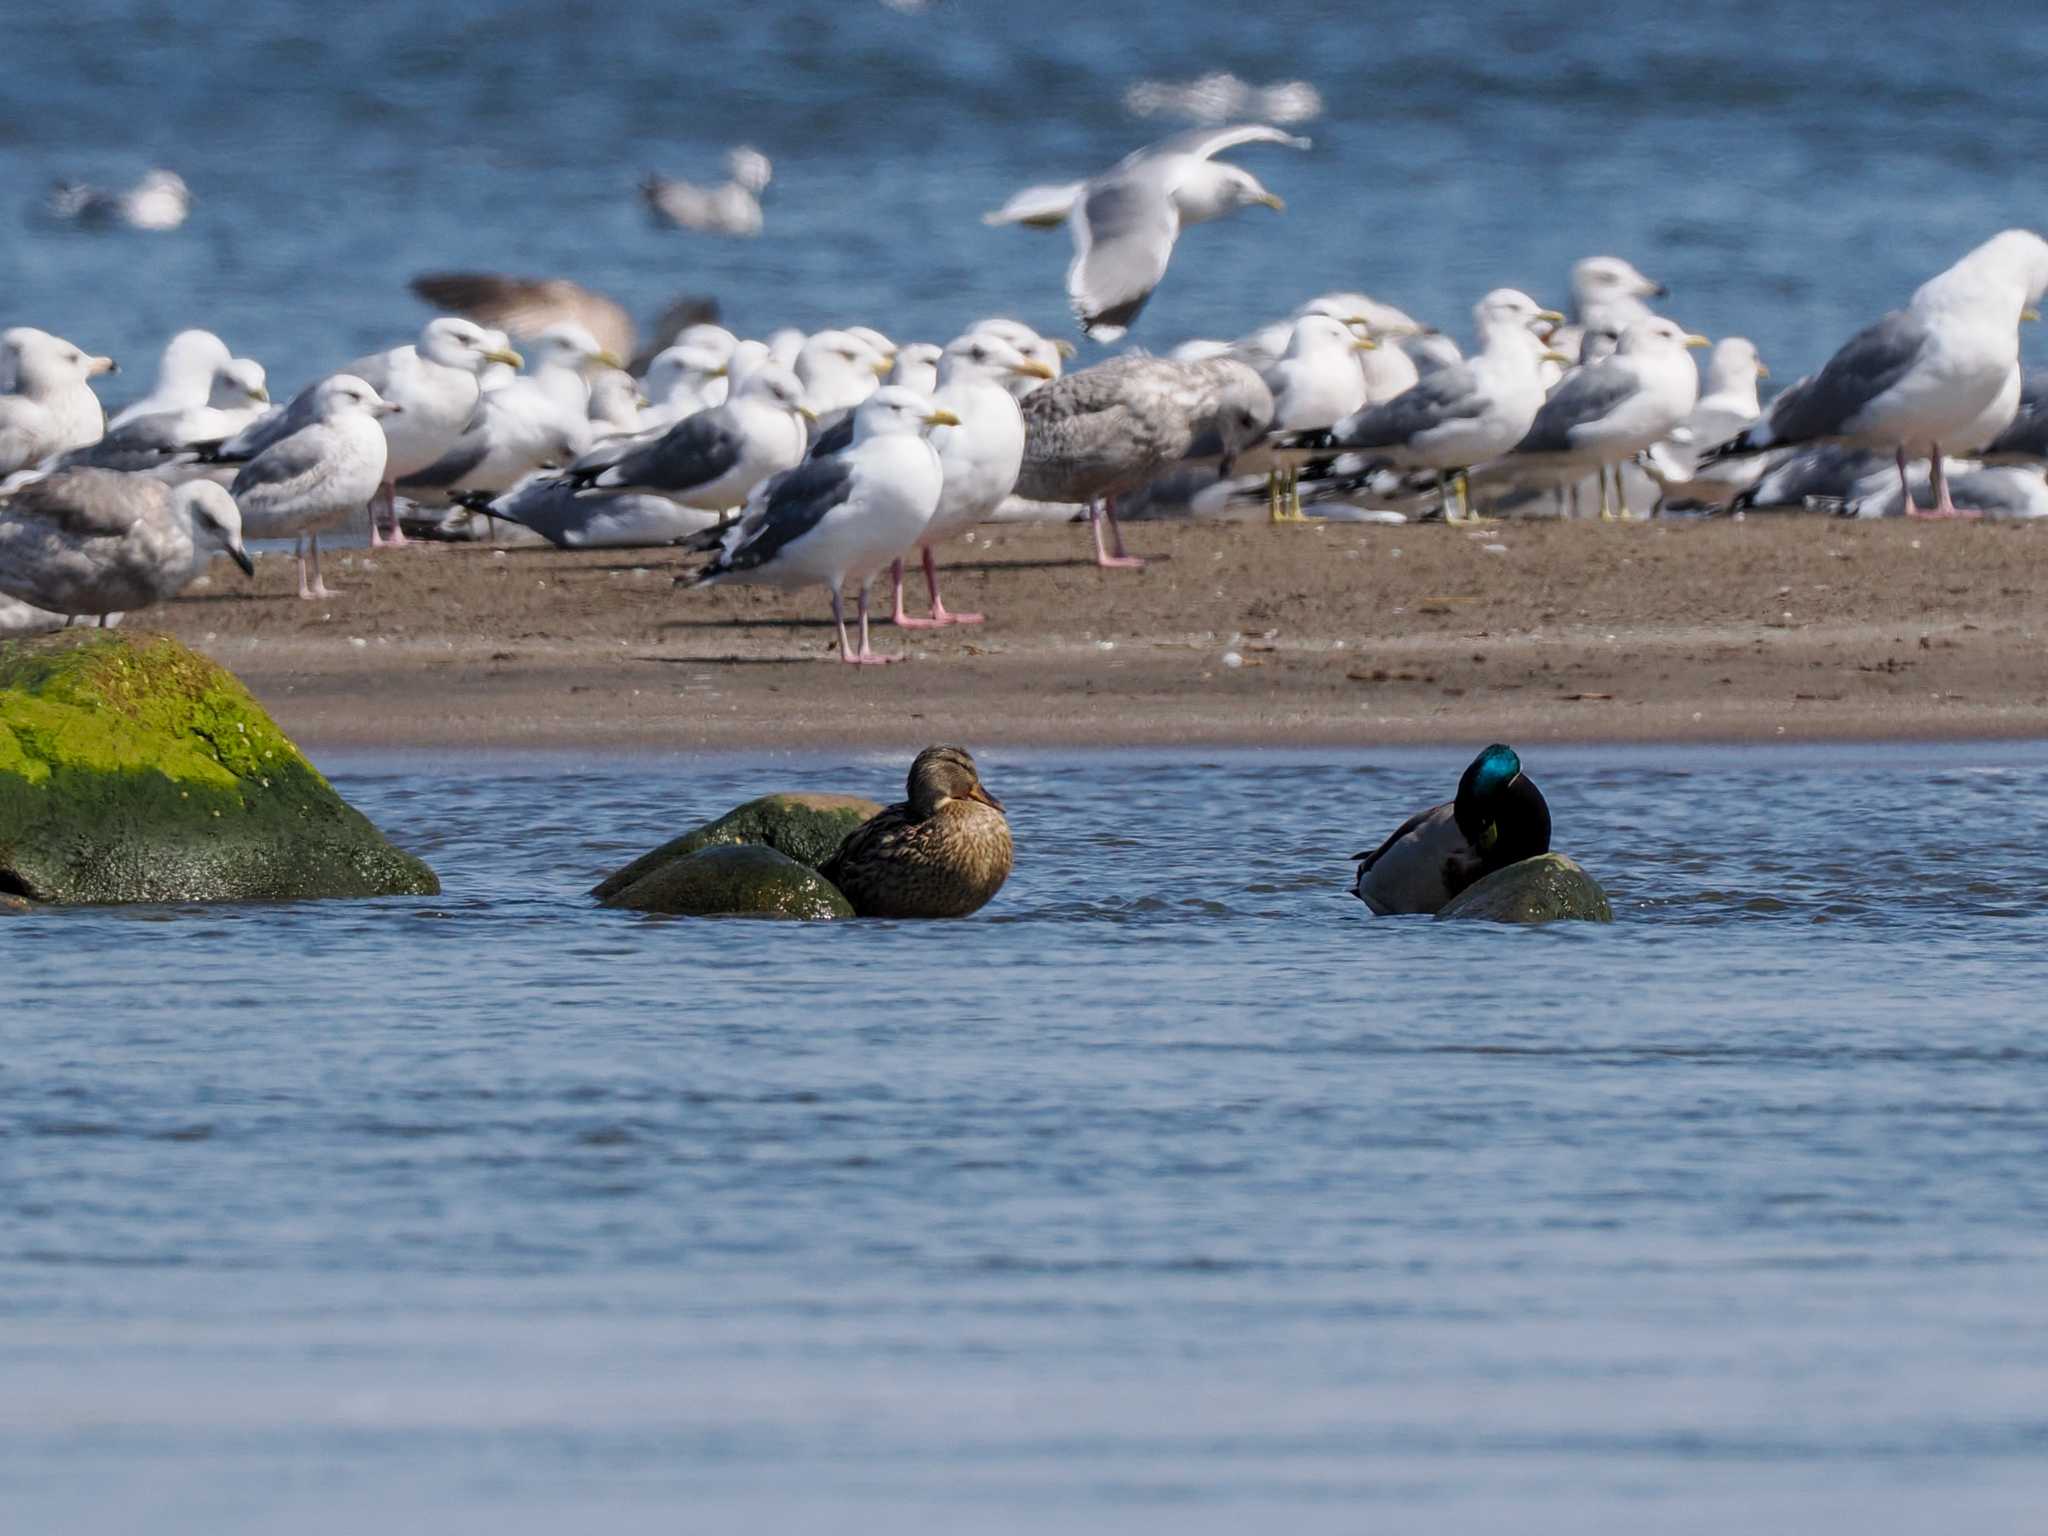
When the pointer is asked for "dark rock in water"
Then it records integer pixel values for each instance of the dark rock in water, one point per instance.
(133, 769)
(734, 880)
(1549, 888)
(803, 827)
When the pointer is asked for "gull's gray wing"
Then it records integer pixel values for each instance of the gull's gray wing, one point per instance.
(1871, 362)
(836, 438)
(797, 503)
(1206, 143)
(144, 442)
(87, 503)
(1449, 394)
(273, 426)
(2027, 437)
(470, 450)
(284, 470)
(1589, 395)
(1039, 207)
(1124, 231)
(693, 452)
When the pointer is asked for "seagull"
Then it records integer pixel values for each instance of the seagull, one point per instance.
(536, 419)
(95, 541)
(1726, 406)
(916, 366)
(436, 383)
(1316, 383)
(2025, 440)
(712, 460)
(1125, 220)
(1923, 374)
(845, 514)
(838, 369)
(184, 377)
(1049, 351)
(52, 408)
(981, 457)
(167, 441)
(159, 201)
(1111, 429)
(688, 376)
(526, 306)
(1468, 412)
(1613, 409)
(733, 207)
(315, 476)
(1607, 298)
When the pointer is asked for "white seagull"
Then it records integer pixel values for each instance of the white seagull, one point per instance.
(317, 475)
(52, 408)
(843, 515)
(712, 460)
(1923, 375)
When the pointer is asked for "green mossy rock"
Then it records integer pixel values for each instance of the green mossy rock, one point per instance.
(1549, 888)
(806, 828)
(133, 769)
(734, 880)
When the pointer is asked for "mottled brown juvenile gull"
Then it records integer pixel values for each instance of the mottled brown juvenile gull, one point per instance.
(1109, 430)
(1125, 221)
(1916, 378)
(316, 476)
(52, 408)
(95, 541)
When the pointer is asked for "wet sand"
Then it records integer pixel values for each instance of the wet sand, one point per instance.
(1764, 629)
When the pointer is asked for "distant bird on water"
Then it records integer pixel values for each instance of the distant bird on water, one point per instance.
(733, 207)
(1126, 219)
(159, 201)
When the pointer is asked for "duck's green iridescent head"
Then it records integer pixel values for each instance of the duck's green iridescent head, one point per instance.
(1484, 801)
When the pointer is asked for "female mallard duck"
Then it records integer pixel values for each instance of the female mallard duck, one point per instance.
(942, 853)
(1498, 819)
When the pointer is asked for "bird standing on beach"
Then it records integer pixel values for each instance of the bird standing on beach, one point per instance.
(1921, 375)
(316, 476)
(167, 442)
(1498, 818)
(436, 383)
(981, 457)
(1125, 221)
(1315, 383)
(943, 851)
(1110, 430)
(95, 541)
(51, 408)
(1466, 412)
(845, 514)
(714, 459)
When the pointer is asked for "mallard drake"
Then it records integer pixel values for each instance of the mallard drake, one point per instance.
(942, 853)
(1499, 818)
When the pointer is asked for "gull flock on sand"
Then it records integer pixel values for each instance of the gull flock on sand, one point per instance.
(825, 459)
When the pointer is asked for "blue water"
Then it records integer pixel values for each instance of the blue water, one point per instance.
(1790, 170)
(1171, 1191)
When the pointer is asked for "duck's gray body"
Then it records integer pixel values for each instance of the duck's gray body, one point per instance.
(1422, 866)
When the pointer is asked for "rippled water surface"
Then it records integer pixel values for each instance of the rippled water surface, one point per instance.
(1790, 170)
(1170, 1191)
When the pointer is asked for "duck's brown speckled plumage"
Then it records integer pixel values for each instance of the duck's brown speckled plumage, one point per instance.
(941, 853)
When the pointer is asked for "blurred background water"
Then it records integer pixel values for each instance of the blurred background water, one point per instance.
(1790, 171)
(1170, 1190)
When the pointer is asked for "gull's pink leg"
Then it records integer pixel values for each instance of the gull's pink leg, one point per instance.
(939, 615)
(1906, 485)
(1943, 507)
(865, 656)
(299, 554)
(1100, 512)
(839, 618)
(387, 499)
(320, 588)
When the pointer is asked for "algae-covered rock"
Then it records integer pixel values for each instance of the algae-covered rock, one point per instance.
(734, 880)
(807, 828)
(133, 769)
(1546, 889)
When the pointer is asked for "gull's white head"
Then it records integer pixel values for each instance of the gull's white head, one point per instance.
(2010, 270)
(566, 344)
(916, 366)
(615, 400)
(38, 362)
(892, 409)
(749, 167)
(341, 395)
(1382, 322)
(1325, 336)
(214, 517)
(874, 341)
(987, 354)
(1212, 188)
(1657, 337)
(746, 357)
(190, 360)
(703, 337)
(774, 385)
(839, 370)
(1601, 280)
(237, 384)
(1733, 367)
(454, 342)
(1510, 308)
(1048, 351)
